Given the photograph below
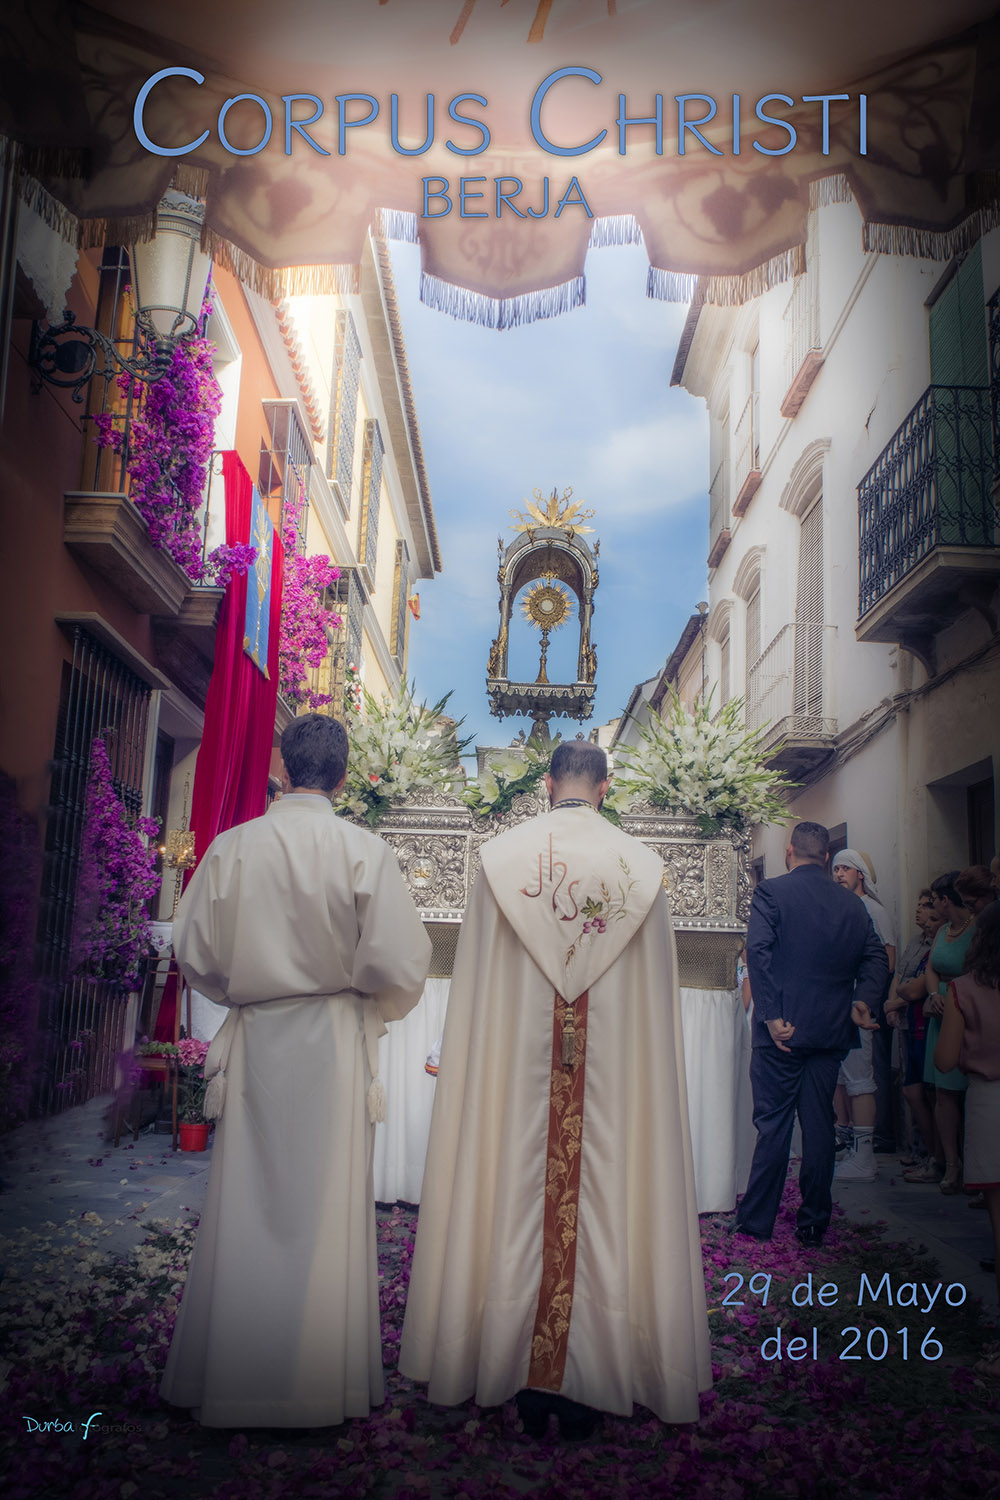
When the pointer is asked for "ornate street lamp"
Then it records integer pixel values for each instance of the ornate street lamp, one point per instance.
(169, 274)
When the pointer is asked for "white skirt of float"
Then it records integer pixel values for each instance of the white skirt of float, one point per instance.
(717, 1066)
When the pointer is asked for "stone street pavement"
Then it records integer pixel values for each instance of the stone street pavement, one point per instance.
(56, 1170)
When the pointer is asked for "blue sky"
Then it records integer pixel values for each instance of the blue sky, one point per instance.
(581, 400)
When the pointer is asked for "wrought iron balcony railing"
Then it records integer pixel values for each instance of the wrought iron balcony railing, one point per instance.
(930, 487)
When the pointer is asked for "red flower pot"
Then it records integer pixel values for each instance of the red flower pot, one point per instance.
(193, 1134)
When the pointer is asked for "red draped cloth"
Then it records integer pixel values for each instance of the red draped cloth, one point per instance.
(230, 779)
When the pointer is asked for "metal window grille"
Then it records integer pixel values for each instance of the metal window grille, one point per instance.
(285, 466)
(401, 589)
(371, 495)
(343, 406)
(994, 372)
(101, 698)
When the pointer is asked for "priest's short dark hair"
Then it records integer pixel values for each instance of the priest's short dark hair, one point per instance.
(579, 760)
(314, 749)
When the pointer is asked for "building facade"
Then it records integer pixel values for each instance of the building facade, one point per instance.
(101, 632)
(854, 576)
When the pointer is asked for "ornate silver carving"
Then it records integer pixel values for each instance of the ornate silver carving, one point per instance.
(684, 878)
(439, 840)
(434, 868)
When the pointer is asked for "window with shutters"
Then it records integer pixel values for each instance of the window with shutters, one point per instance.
(371, 495)
(724, 677)
(960, 359)
(718, 490)
(753, 626)
(343, 408)
(400, 594)
(746, 480)
(286, 465)
(809, 617)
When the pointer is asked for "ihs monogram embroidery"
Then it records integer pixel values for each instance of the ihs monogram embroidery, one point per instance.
(595, 912)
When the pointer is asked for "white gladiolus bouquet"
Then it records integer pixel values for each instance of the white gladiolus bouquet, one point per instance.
(397, 747)
(710, 768)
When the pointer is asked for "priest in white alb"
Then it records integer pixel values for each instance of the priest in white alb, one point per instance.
(303, 926)
(558, 1257)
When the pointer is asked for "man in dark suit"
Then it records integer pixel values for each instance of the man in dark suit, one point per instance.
(816, 967)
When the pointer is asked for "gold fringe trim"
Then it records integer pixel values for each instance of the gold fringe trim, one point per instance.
(94, 233)
(54, 161)
(275, 282)
(825, 190)
(191, 180)
(727, 291)
(930, 244)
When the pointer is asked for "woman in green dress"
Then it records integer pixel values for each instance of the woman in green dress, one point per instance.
(946, 962)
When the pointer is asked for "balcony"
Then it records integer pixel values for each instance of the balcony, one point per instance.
(803, 355)
(789, 692)
(107, 532)
(747, 476)
(928, 524)
(719, 534)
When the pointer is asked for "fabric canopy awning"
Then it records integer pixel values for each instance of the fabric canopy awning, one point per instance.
(734, 214)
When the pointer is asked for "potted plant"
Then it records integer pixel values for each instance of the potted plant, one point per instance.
(191, 1086)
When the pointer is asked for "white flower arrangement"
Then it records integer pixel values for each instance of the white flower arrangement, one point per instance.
(396, 747)
(710, 768)
(508, 774)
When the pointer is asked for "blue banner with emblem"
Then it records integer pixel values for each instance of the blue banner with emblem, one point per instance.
(255, 630)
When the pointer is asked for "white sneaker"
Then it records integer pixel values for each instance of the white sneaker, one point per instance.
(860, 1166)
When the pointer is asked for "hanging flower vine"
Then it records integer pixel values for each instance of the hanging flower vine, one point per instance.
(304, 633)
(168, 452)
(117, 880)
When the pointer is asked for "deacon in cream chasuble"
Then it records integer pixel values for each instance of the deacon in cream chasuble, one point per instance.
(558, 1244)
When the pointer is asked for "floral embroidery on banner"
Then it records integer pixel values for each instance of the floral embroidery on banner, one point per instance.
(550, 1337)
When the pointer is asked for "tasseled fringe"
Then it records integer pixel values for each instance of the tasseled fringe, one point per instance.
(930, 244)
(394, 224)
(65, 224)
(54, 161)
(615, 229)
(670, 286)
(273, 283)
(118, 231)
(501, 312)
(191, 180)
(215, 1096)
(835, 189)
(376, 1101)
(727, 291)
